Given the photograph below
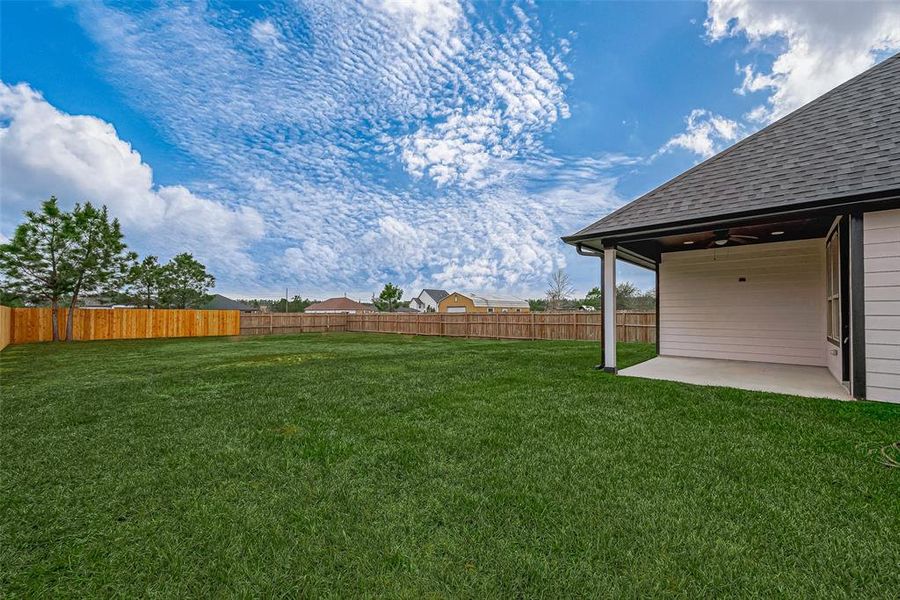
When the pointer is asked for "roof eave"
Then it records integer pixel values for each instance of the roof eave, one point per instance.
(667, 228)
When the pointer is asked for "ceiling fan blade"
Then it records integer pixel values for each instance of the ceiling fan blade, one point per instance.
(739, 239)
(744, 237)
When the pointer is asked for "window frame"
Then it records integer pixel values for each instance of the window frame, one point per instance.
(833, 312)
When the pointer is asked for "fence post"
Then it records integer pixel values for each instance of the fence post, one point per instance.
(270, 324)
(575, 325)
(468, 320)
(532, 326)
(498, 326)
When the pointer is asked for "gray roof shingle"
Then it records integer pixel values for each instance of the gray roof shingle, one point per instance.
(220, 302)
(436, 295)
(845, 142)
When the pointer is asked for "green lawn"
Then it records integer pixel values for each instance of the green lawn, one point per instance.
(372, 465)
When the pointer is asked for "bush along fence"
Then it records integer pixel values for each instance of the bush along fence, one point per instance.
(630, 326)
(25, 325)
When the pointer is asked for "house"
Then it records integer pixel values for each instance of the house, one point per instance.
(459, 302)
(427, 300)
(777, 260)
(220, 302)
(338, 306)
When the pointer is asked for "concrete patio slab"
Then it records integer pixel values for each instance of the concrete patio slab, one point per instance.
(798, 380)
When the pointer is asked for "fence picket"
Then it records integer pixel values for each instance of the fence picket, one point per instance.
(588, 326)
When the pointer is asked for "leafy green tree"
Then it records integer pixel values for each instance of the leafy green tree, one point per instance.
(56, 254)
(537, 304)
(147, 279)
(299, 304)
(12, 299)
(186, 282)
(626, 292)
(389, 298)
(98, 260)
(594, 298)
(34, 262)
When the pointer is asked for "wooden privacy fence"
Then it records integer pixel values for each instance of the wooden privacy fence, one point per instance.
(34, 324)
(630, 326)
(24, 325)
(5, 326)
(266, 323)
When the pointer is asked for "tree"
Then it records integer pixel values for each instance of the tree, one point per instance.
(559, 288)
(594, 298)
(389, 298)
(33, 261)
(147, 280)
(11, 299)
(626, 292)
(537, 304)
(186, 282)
(98, 259)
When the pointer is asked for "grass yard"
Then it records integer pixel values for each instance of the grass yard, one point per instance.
(372, 465)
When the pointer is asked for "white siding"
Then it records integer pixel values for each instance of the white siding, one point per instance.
(881, 237)
(777, 315)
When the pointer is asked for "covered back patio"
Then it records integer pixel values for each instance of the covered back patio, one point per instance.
(794, 380)
(765, 254)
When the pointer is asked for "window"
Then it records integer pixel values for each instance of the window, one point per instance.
(833, 288)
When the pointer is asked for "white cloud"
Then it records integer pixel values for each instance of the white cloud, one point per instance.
(705, 134)
(817, 45)
(267, 34)
(382, 141)
(81, 158)
(438, 16)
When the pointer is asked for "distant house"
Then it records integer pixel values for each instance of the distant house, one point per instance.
(220, 302)
(427, 300)
(459, 302)
(338, 306)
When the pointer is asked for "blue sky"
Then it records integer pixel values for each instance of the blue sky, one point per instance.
(332, 147)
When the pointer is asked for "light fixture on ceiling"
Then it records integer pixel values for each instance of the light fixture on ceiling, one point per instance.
(688, 243)
(724, 236)
(777, 233)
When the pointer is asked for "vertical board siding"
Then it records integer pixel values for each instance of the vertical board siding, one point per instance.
(35, 324)
(5, 326)
(881, 255)
(776, 315)
(631, 326)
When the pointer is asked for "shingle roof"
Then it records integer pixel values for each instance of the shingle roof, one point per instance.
(846, 142)
(220, 302)
(341, 303)
(436, 295)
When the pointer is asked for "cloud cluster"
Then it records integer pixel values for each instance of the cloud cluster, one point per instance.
(813, 47)
(81, 158)
(816, 45)
(705, 134)
(377, 140)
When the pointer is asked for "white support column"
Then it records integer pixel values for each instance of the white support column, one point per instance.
(609, 309)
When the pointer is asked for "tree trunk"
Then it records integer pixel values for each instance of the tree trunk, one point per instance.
(54, 319)
(71, 320)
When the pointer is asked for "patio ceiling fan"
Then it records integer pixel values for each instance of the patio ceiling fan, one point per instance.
(723, 237)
